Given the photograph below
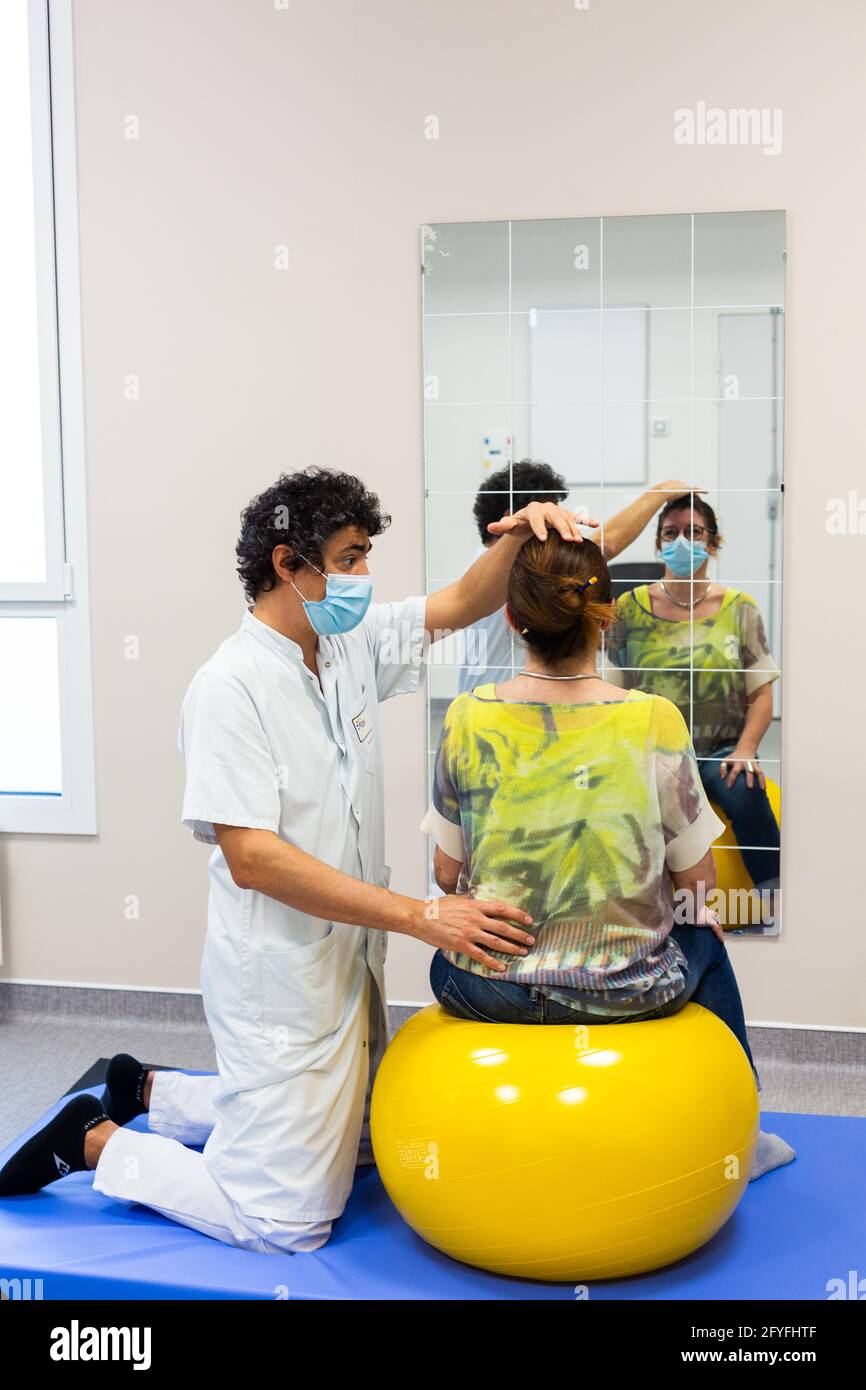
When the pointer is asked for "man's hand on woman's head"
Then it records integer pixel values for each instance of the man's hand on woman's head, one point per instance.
(536, 517)
(672, 488)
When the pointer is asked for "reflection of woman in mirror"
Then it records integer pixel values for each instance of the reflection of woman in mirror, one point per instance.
(580, 803)
(727, 699)
(488, 643)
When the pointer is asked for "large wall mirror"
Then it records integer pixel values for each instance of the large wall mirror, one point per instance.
(625, 354)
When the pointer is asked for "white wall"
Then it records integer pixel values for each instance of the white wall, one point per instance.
(261, 126)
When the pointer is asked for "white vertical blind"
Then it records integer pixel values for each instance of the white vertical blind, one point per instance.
(47, 773)
(31, 529)
(22, 529)
(30, 758)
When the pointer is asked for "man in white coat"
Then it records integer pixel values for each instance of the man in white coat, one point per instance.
(280, 732)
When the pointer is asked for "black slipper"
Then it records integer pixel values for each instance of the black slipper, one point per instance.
(123, 1097)
(56, 1150)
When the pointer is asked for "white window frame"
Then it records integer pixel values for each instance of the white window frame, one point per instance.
(65, 594)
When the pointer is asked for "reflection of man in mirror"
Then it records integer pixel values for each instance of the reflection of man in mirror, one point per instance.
(488, 644)
(686, 620)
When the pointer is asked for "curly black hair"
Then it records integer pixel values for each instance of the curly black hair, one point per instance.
(526, 481)
(302, 510)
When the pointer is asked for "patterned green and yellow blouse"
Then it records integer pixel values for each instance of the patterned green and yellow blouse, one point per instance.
(731, 661)
(576, 813)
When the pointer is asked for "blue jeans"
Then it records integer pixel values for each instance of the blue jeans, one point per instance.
(751, 817)
(709, 975)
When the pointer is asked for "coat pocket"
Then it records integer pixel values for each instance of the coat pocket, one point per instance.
(301, 993)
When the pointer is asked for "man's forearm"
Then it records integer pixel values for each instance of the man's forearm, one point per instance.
(625, 526)
(480, 591)
(260, 860)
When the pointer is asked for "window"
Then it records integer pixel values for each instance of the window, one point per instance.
(46, 724)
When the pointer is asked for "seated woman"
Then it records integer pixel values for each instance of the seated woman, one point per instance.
(580, 803)
(728, 701)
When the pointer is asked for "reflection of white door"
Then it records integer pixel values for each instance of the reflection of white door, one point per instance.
(750, 454)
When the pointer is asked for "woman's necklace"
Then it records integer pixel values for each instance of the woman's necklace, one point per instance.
(541, 676)
(688, 603)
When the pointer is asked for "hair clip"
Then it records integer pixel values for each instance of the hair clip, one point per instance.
(593, 579)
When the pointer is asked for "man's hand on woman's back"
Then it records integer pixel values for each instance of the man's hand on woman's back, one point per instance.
(468, 925)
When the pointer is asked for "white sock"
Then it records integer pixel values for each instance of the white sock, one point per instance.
(771, 1152)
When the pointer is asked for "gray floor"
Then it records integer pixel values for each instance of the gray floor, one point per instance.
(40, 1059)
(43, 1051)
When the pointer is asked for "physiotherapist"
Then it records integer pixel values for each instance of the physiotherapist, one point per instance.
(280, 733)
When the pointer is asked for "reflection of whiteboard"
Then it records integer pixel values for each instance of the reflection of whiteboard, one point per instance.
(588, 415)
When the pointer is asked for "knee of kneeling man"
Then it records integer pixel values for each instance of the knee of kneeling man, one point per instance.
(289, 1237)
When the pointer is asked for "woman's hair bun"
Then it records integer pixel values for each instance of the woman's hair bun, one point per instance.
(559, 593)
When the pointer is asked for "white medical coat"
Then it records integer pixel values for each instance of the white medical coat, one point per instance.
(293, 1001)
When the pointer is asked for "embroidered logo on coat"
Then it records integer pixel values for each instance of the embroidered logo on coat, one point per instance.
(363, 726)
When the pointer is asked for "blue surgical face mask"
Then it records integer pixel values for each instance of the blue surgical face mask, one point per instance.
(683, 557)
(347, 598)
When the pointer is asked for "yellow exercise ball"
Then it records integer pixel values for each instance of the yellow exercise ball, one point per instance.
(732, 876)
(564, 1152)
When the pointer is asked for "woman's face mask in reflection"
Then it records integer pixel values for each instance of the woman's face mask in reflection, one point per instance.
(682, 557)
(347, 598)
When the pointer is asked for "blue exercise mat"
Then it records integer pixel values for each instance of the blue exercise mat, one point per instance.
(795, 1230)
